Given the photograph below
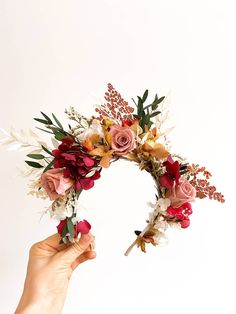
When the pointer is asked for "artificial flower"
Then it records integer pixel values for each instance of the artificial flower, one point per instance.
(55, 184)
(123, 140)
(171, 175)
(182, 193)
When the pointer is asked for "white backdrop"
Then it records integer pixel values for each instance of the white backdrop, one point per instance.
(59, 53)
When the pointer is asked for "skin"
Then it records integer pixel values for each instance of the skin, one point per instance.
(49, 271)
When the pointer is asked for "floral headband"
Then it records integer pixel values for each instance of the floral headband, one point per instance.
(81, 151)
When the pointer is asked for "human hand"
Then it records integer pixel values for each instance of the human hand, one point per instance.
(49, 270)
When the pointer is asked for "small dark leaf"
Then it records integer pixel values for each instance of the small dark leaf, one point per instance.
(161, 99)
(36, 156)
(49, 166)
(46, 150)
(154, 114)
(44, 130)
(70, 227)
(140, 106)
(58, 135)
(64, 231)
(33, 164)
(78, 193)
(41, 121)
(145, 95)
(47, 118)
(57, 121)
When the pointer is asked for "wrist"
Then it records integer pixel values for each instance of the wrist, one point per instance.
(37, 304)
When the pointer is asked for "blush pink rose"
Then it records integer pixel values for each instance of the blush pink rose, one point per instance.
(123, 140)
(182, 193)
(55, 184)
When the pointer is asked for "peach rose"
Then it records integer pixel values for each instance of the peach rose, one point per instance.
(182, 193)
(55, 184)
(123, 140)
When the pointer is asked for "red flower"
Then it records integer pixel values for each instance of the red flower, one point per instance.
(128, 122)
(181, 213)
(172, 173)
(76, 163)
(82, 227)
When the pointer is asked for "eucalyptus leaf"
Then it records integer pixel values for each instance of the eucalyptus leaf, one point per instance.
(140, 106)
(47, 118)
(33, 164)
(49, 166)
(57, 121)
(44, 130)
(145, 95)
(36, 156)
(58, 135)
(46, 150)
(154, 114)
(64, 231)
(70, 227)
(78, 193)
(41, 121)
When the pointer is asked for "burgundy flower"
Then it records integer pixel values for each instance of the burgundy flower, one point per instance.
(82, 227)
(172, 173)
(181, 213)
(76, 164)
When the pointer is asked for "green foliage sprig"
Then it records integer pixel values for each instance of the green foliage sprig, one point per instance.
(145, 113)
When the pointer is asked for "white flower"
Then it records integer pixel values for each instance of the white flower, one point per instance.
(163, 204)
(61, 209)
(94, 128)
(161, 225)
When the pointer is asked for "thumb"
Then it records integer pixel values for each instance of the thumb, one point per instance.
(77, 248)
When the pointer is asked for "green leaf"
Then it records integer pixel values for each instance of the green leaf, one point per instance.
(78, 193)
(49, 166)
(46, 150)
(64, 231)
(70, 227)
(155, 103)
(57, 121)
(47, 118)
(44, 130)
(41, 121)
(58, 135)
(36, 156)
(154, 114)
(140, 106)
(145, 95)
(33, 164)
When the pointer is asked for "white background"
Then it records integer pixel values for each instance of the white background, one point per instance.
(59, 53)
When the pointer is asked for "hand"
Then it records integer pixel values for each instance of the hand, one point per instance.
(49, 270)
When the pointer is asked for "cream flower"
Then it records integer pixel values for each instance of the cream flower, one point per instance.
(94, 128)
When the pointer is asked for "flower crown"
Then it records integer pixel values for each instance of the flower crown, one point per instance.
(114, 132)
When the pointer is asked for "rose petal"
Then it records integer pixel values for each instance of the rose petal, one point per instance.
(166, 182)
(89, 162)
(86, 183)
(83, 227)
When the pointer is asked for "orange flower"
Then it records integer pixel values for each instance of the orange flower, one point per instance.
(105, 153)
(156, 150)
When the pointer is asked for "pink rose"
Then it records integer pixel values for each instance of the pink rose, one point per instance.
(123, 140)
(182, 193)
(55, 184)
